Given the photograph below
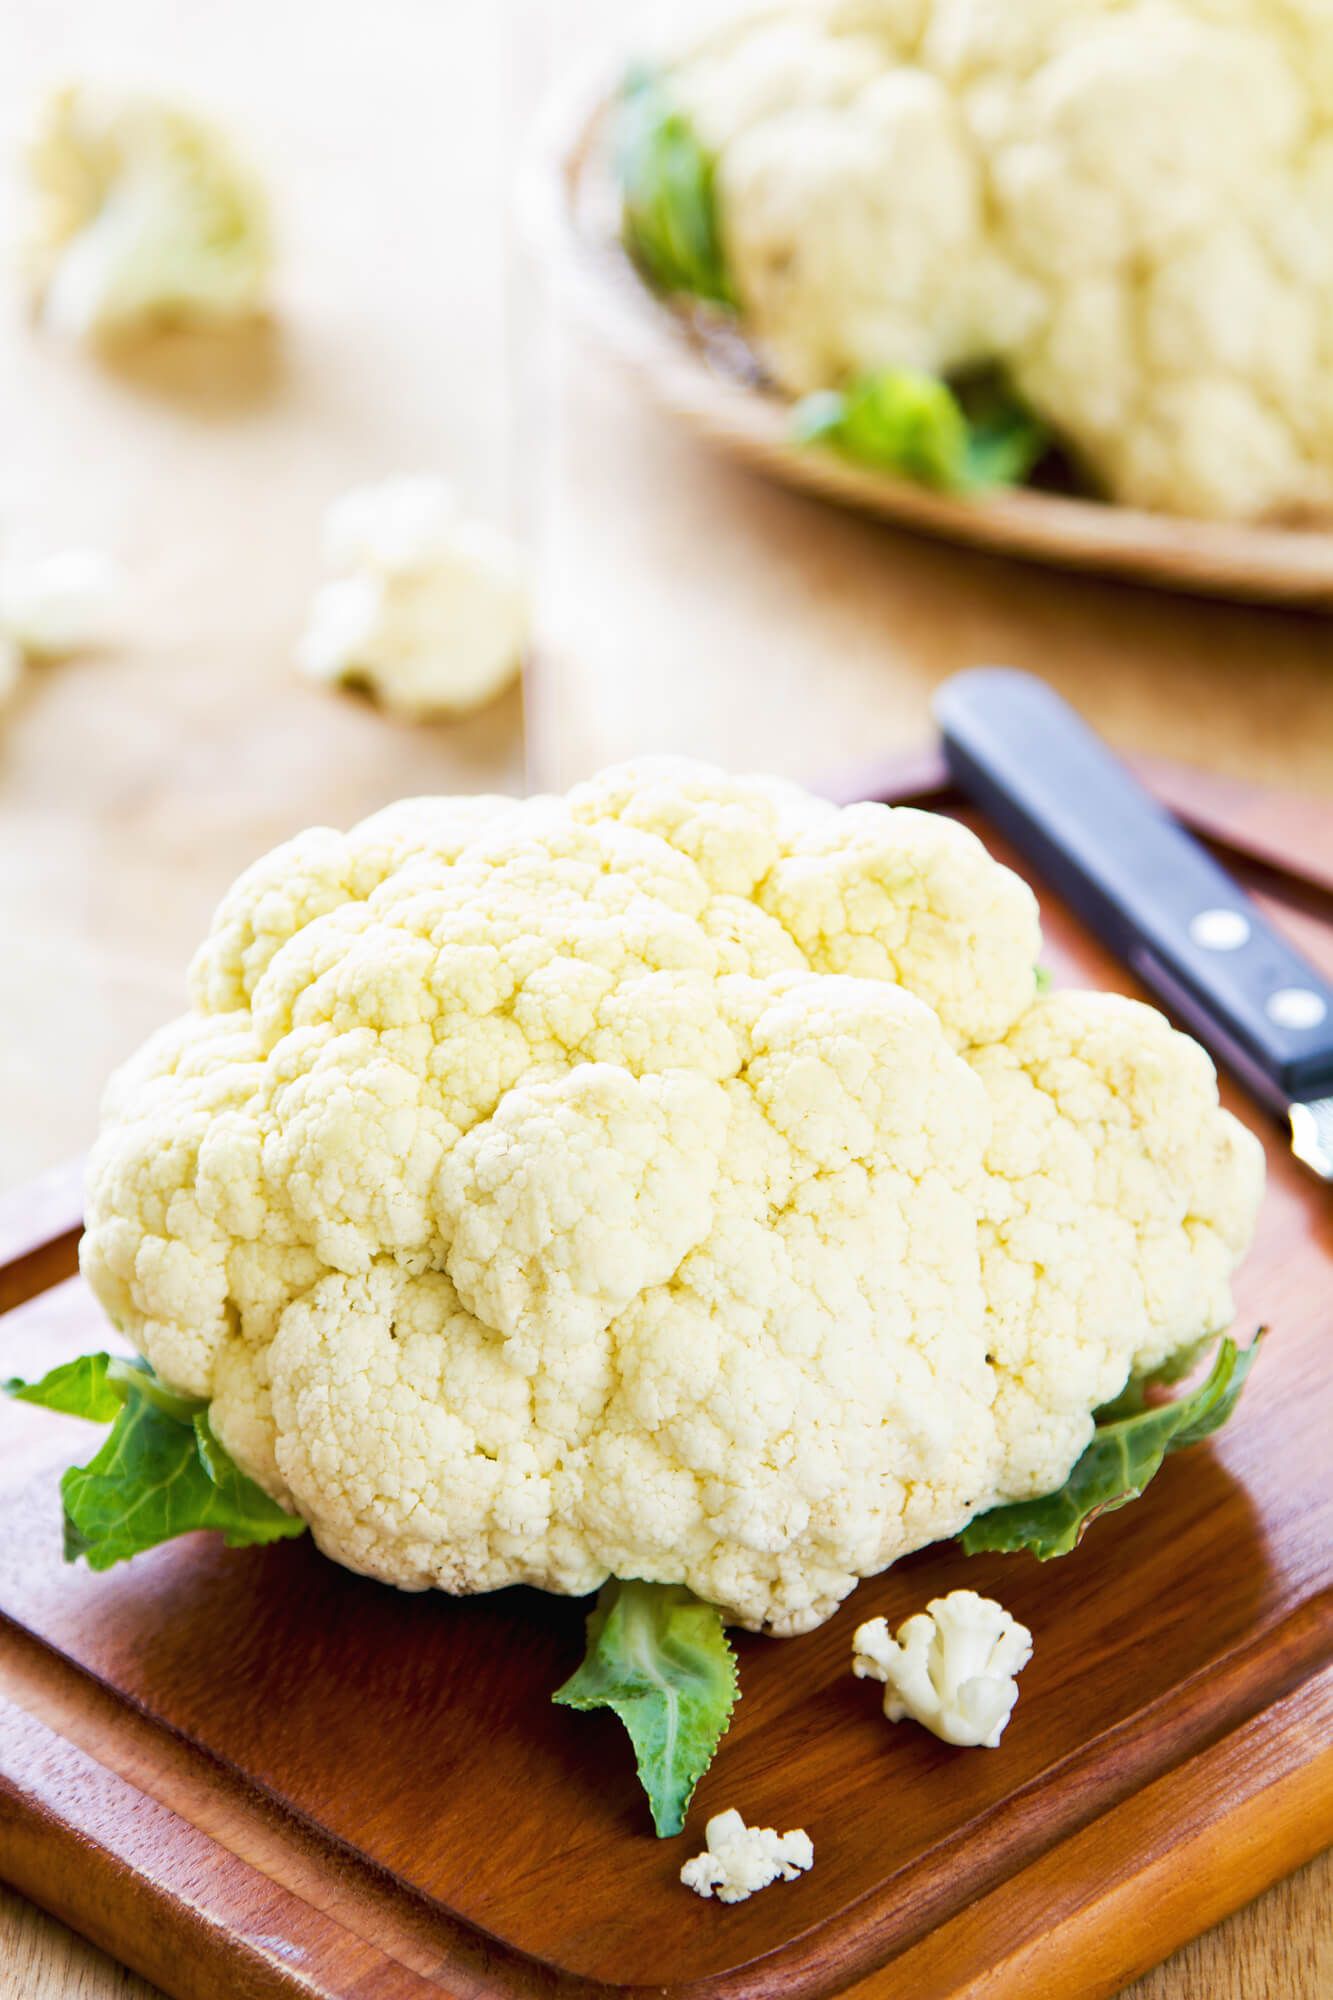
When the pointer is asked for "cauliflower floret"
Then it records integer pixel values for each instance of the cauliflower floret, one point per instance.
(58, 604)
(51, 606)
(432, 611)
(680, 1180)
(143, 215)
(946, 185)
(740, 1859)
(951, 1667)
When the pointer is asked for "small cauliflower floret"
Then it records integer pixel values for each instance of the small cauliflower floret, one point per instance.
(950, 1668)
(428, 610)
(143, 216)
(679, 1181)
(944, 185)
(57, 604)
(741, 1859)
(51, 606)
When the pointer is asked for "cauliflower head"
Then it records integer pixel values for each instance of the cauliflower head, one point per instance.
(1127, 205)
(680, 1179)
(142, 215)
(428, 610)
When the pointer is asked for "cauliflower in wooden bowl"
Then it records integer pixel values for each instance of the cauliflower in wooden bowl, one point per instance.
(981, 263)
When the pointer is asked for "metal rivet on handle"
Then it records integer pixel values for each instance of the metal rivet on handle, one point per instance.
(1220, 930)
(1295, 1007)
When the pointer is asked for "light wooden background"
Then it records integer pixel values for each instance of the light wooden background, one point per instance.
(683, 604)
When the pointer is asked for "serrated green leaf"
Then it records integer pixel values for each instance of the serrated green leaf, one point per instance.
(668, 200)
(78, 1388)
(1126, 1452)
(160, 1472)
(157, 1477)
(660, 1659)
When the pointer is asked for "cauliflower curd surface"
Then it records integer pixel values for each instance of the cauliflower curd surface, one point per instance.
(680, 1179)
(1127, 204)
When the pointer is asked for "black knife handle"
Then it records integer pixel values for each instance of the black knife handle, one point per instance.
(1135, 876)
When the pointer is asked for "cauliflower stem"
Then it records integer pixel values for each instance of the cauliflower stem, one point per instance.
(1125, 1454)
(660, 1659)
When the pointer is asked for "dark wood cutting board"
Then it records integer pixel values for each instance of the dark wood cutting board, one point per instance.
(249, 1773)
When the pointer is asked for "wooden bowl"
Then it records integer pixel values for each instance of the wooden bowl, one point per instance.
(702, 371)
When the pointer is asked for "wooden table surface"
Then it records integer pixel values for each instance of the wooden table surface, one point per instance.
(683, 604)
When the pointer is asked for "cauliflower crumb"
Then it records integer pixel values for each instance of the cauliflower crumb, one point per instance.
(740, 1860)
(951, 1667)
(142, 216)
(429, 610)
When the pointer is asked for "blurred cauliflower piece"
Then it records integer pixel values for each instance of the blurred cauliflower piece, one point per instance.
(11, 668)
(51, 606)
(431, 610)
(951, 1668)
(58, 604)
(143, 217)
(739, 1860)
(681, 1179)
(1127, 208)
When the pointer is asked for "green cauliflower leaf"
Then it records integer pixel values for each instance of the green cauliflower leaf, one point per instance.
(160, 1473)
(668, 200)
(901, 420)
(660, 1658)
(1126, 1452)
(78, 1388)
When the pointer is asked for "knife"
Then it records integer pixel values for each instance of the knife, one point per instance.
(1149, 891)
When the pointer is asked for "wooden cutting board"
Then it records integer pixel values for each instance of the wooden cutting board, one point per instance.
(248, 1773)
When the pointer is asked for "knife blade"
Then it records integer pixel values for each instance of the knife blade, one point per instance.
(1149, 890)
